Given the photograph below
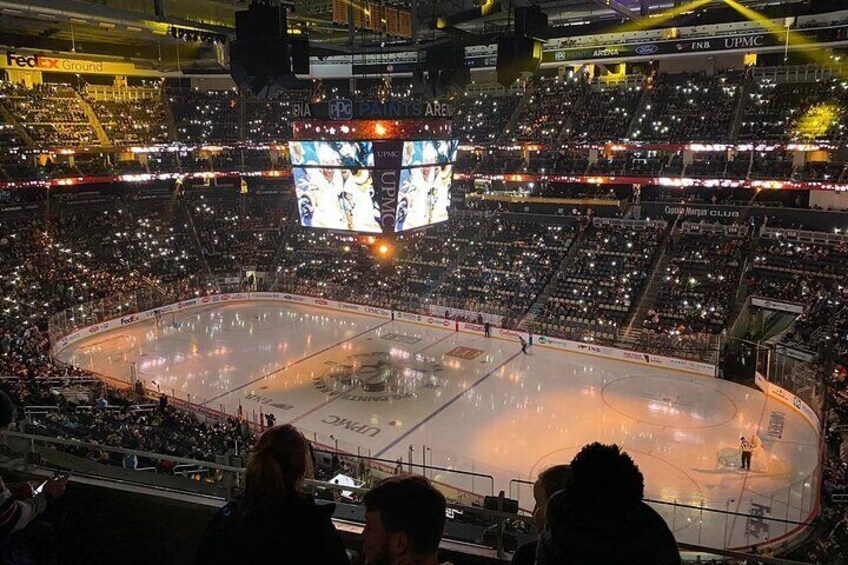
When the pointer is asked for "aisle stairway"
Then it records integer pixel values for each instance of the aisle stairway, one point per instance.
(93, 120)
(20, 130)
(543, 297)
(509, 127)
(629, 333)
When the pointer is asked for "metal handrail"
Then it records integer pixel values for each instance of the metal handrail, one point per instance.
(124, 451)
(394, 462)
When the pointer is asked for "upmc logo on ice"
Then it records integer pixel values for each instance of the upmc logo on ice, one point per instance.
(341, 109)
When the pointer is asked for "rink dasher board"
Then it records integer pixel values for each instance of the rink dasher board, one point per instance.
(782, 395)
(601, 351)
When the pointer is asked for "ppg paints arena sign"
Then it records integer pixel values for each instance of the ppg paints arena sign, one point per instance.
(345, 109)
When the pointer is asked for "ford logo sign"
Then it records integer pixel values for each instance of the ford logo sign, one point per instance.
(647, 49)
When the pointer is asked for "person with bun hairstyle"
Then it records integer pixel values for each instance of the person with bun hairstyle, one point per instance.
(274, 521)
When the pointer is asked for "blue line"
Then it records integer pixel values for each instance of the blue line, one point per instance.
(445, 405)
(292, 364)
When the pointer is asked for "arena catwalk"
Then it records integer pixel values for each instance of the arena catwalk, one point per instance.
(466, 402)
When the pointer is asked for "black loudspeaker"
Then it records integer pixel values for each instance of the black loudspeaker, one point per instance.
(440, 57)
(263, 58)
(517, 55)
(261, 22)
(531, 21)
(453, 80)
(299, 53)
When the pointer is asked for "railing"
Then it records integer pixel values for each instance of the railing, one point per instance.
(731, 230)
(635, 224)
(504, 531)
(804, 236)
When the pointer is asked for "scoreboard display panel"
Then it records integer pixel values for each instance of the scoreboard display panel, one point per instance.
(372, 187)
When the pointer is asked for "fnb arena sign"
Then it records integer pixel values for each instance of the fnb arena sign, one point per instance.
(39, 62)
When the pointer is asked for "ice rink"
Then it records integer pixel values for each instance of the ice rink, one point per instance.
(476, 404)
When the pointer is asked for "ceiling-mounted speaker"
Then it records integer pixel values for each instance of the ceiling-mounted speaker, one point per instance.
(531, 21)
(517, 55)
(264, 58)
(453, 80)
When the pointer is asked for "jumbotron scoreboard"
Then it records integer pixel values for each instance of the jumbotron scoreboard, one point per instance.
(372, 167)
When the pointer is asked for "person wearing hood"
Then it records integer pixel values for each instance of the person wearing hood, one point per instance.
(601, 518)
(274, 521)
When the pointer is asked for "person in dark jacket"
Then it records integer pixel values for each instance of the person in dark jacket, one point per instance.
(404, 521)
(274, 521)
(601, 518)
(549, 482)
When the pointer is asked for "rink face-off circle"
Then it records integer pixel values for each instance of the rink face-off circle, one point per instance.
(466, 402)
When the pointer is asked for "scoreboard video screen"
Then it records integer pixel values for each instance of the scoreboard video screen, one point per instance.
(337, 199)
(372, 187)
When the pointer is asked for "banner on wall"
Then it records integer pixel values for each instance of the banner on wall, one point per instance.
(777, 305)
(36, 61)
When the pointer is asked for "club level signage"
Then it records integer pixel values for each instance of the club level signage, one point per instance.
(344, 109)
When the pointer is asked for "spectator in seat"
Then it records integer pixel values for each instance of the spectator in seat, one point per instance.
(549, 482)
(23, 539)
(274, 521)
(404, 521)
(601, 519)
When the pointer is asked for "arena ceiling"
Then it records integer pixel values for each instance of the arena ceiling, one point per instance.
(139, 29)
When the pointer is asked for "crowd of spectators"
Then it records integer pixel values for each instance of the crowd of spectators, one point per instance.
(132, 121)
(206, 116)
(53, 115)
(482, 118)
(8, 136)
(270, 120)
(592, 296)
(85, 410)
(830, 541)
(507, 268)
(604, 113)
(795, 111)
(808, 274)
(545, 109)
(698, 288)
(676, 108)
(236, 231)
(572, 108)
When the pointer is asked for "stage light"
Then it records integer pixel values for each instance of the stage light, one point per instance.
(816, 122)
(815, 53)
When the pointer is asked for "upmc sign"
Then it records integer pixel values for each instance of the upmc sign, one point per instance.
(746, 41)
(38, 62)
(387, 159)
